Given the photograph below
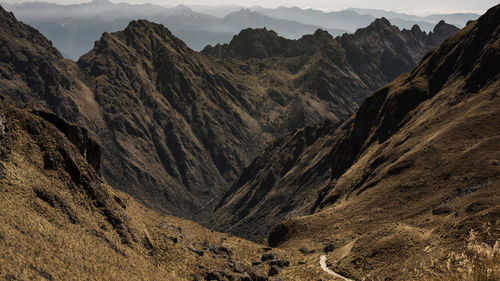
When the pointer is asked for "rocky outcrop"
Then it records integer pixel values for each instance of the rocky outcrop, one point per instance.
(250, 43)
(77, 135)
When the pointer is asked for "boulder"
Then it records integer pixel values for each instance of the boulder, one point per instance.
(280, 263)
(278, 235)
(269, 256)
(274, 270)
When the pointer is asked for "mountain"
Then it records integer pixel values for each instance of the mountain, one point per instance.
(32, 70)
(354, 18)
(411, 178)
(289, 28)
(458, 19)
(236, 216)
(73, 29)
(345, 20)
(177, 127)
(219, 11)
(263, 43)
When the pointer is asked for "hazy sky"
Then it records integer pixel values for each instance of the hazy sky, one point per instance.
(420, 7)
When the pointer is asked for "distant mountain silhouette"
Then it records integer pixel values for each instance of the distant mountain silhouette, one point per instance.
(74, 28)
(457, 19)
(352, 18)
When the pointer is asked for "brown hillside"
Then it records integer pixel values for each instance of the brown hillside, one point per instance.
(59, 221)
(408, 177)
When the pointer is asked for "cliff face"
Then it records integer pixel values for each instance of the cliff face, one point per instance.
(177, 127)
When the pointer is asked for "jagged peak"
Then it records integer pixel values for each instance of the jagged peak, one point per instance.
(443, 27)
(141, 28)
(415, 28)
(321, 33)
(255, 31)
(381, 22)
(183, 8)
(144, 23)
(491, 17)
(141, 35)
(5, 15)
(378, 25)
(242, 12)
(251, 36)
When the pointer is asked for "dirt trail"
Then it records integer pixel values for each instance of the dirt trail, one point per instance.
(322, 263)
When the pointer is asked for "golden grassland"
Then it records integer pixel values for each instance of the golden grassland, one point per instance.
(51, 228)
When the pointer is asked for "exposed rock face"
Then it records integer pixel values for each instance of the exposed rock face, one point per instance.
(263, 43)
(250, 43)
(77, 135)
(177, 127)
(278, 235)
(401, 173)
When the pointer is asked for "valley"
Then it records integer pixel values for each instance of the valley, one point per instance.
(364, 156)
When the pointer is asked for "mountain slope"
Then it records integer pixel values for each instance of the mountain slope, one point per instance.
(401, 182)
(61, 222)
(32, 70)
(168, 117)
(184, 149)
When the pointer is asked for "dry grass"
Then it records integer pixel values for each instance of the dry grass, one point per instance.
(477, 261)
(40, 241)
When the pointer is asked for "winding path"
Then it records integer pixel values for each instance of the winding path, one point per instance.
(322, 263)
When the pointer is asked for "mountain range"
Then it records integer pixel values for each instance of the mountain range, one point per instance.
(373, 153)
(73, 29)
(160, 110)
